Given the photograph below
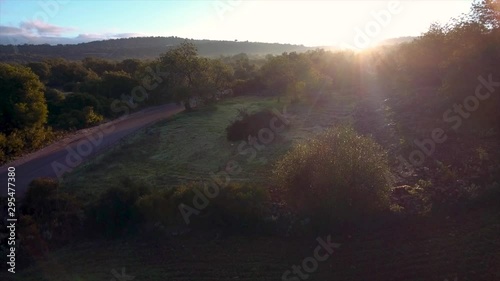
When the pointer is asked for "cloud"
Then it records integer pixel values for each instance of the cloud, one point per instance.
(9, 30)
(89, 36)
(102, 36)
(127, 35)
(39, 32)
(43, 28)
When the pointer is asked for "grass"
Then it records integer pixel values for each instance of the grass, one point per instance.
(465, 246)
(192, 145)
(455, 246)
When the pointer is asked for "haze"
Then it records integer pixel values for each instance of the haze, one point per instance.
(312, 23)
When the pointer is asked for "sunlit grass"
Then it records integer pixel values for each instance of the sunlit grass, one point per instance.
(191, 146)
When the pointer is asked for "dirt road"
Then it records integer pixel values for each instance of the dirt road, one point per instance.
(72, 151)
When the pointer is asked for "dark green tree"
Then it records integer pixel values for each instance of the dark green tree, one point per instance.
(186, 72)
(22, 102)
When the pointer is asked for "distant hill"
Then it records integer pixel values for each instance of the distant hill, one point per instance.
(398, 40)
(139, 47)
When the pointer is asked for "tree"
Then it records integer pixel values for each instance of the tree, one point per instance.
(98, 65)
(336, 176)
(23, 111)
(55, 102)
(186, 71)
(220, 75)
(116, 83)
(278, 74)
(131, 66)
(22, 102)
(41, 69)
(65, 72)
(243, 69)
(291, 74)
(487, 13)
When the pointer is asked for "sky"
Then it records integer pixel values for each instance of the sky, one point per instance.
(310, 23)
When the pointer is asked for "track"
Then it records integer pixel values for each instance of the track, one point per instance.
(79, 147)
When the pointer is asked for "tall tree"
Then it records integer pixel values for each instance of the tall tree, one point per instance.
(22, 101)
(487, 13)
(185, 70)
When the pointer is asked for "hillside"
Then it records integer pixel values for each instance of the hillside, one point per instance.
(141, 48)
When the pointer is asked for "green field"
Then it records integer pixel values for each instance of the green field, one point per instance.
(192, 145)
(458, 245)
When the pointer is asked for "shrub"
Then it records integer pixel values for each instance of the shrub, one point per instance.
(241, 205)
(248, 125)
(115, 212)
(77, 119)
(15, 144)
(159, 207)
(31, 239)
(236, 206)
(3, 148)
(58, 215)
(246, 87)
(338, 176)
(413, 200)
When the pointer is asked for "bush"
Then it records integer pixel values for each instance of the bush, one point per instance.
(247, 87)
(115, 212)
(235, 206)
(57, 215)
(336, 177)
(248, 125)
(78, 119)
(160, 207)
(413, 200)
(3, 148)
(241, 205)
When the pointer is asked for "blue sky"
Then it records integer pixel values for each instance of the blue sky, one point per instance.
(312, 23)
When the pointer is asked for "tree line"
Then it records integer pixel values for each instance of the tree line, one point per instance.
(139, 48)
(55, 94)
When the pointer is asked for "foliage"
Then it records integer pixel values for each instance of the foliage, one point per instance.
(23, 111)
(241, 205)
(57, 216)
(143, 48)
(338, 176)
(130, 66)
(63, 72)
(41, 69)
(252, 86)
(244, 69)
(413, 200)
(293, 75)
(248, 125)
(22, 103)
(235, 206)
(446, 63)
(115, 212)
(75, 111)
(116, 84)
(55, 103)
(184, 70)
(486, 13)
(99, 66)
